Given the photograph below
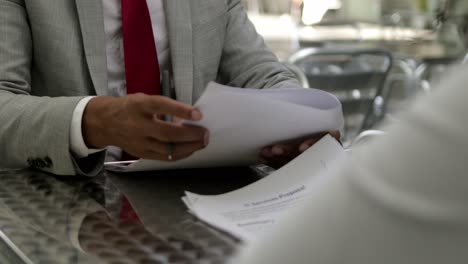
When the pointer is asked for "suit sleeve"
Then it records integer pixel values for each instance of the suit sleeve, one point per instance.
(246, 61)
(34, 131)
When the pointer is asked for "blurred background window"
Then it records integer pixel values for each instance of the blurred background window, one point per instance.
(341, 46)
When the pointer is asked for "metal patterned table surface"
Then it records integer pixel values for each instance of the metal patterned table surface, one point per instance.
(46, 219)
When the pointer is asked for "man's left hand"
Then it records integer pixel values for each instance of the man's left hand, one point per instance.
(278, 155)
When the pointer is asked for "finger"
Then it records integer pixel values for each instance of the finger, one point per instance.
(174, 149)
(336, 135)
(167, 106)
(266, 152)
(177, 120)
(285, 150)
(177, 133)
(308, 143)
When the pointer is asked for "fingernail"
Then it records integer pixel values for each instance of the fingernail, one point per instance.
(278, 151)
(196, 115)
(304, 147)
(206, 139)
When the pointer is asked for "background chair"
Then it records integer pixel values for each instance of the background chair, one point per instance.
(300, 75)
(367, 136)
(356, 76)
(402, 84)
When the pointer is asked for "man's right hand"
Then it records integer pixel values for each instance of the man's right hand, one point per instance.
(132, 123)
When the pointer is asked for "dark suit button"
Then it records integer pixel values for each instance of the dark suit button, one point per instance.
(41, 164)
(48, 162)
(34, 163)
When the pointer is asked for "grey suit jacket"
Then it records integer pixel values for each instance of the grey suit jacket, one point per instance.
(52, 54)
(401, 199)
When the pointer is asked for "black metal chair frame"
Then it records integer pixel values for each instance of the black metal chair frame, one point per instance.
(304, 54)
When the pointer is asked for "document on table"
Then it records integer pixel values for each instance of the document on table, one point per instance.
(259, 207)
(242, 121)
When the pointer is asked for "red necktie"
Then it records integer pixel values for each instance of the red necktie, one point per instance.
(141, 58)
(140, 54)
(127, 213)
(141, 67)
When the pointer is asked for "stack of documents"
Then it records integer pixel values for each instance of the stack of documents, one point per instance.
(242, 121)
(259, 207)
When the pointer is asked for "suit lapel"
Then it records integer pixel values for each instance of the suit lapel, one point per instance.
(179, 21)
(92, 28)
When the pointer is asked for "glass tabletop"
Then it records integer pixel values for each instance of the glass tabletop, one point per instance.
(50, 219)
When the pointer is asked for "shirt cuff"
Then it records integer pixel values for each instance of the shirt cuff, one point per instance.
(77, 144)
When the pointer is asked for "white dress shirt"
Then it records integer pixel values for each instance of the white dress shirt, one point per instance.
(115, 62)
(401, 199)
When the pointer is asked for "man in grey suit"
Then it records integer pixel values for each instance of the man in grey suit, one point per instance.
(54, 54)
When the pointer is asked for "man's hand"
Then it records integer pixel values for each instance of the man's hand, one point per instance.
(278, 155)
(133, 123)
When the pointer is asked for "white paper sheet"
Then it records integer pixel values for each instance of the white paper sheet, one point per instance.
(254, 209)
(242, 121)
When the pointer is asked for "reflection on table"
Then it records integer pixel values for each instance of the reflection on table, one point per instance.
(45, 219)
